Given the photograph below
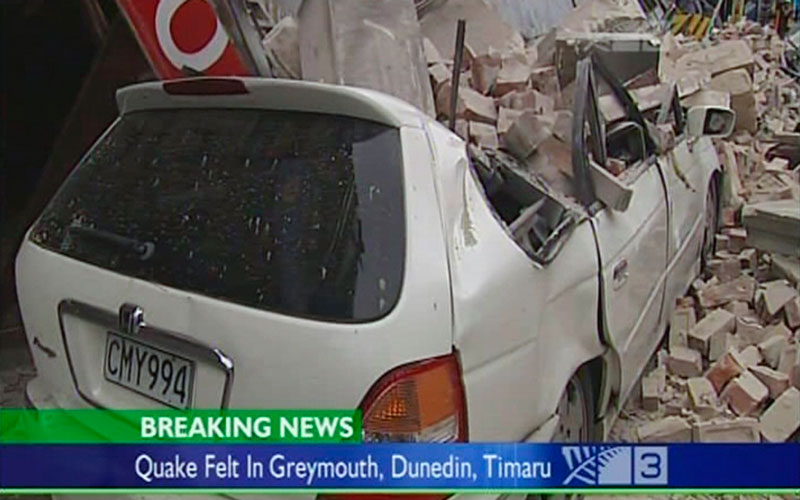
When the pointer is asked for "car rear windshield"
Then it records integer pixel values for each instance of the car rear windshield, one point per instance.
(297, 213)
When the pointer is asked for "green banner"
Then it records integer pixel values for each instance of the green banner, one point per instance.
(18, 426)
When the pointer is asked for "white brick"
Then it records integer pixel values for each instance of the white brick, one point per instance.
(665, 430)
(745, 394)
(782, 418)
(717, 323)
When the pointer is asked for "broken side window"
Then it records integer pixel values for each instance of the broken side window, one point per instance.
(537, 221)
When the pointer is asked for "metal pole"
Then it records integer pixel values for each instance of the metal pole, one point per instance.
(457, 60)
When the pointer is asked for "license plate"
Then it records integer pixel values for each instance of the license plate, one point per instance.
(150, 371)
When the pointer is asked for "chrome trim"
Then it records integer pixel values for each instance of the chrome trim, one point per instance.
(147, 333)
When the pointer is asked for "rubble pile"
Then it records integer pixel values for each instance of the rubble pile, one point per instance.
(731, 367)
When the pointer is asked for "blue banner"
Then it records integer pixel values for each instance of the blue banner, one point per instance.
(446, 467)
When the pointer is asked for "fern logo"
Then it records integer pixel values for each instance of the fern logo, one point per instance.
(598, 465)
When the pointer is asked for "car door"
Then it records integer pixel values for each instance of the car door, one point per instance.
(631, 242)
(685, 176)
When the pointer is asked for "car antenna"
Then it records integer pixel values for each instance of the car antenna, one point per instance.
(457, 58)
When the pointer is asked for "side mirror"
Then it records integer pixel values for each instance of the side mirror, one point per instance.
(710, 121)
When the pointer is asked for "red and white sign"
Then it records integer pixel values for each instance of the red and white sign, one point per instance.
(178, 34)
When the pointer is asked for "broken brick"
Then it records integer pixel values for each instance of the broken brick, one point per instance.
(484, 70)
(526, 133)
(748, 259)
(771, 349)
(665, 430)
(776, 381)
(775, 296)
(682, 321)
(527, 100)
(483, 135)
(749, 356)
(737, 239)
(739, 430)
(791, 313)
(513, 75)
(745, 394)
(684, 362)
(505, 118)
(720, 344)
(471, 105)
(545, 80)
(725, 269)
(653, 386)
(717, 323)
(781, 419)
(742, 289)
(721, 242)
(439, 76)
(702, 395)
(738, 308)
(749, 330)
(724, 370)
(728, 219)
(788, 361)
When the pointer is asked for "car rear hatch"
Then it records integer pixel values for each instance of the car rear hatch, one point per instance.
(213, 255)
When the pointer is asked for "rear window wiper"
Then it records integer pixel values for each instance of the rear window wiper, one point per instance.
(144, 250)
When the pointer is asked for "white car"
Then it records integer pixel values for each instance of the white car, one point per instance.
(256, 243)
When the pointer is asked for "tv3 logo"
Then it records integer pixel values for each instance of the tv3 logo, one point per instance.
(616, 465)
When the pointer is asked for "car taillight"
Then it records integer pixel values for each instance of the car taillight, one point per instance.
(206, 86)
(415, 403)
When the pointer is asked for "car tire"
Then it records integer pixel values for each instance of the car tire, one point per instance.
(576, 410)
(710, 224)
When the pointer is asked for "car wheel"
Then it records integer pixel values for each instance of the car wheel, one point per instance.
(576, 418)
(710, 225)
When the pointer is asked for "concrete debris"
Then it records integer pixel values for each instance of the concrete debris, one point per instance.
(781, 419)
(774, 226)
(282, 48)
(375, 45)
(486, 30)
(739, 86)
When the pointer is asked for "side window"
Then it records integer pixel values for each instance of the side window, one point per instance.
(535, 220)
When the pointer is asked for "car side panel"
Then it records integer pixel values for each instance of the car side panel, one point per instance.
(633, 250)
(686, 188)
(522, 329)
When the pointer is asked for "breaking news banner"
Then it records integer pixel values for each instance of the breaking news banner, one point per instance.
(319, 451)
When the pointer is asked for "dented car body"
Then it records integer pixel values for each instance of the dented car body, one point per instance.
(299, 245)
